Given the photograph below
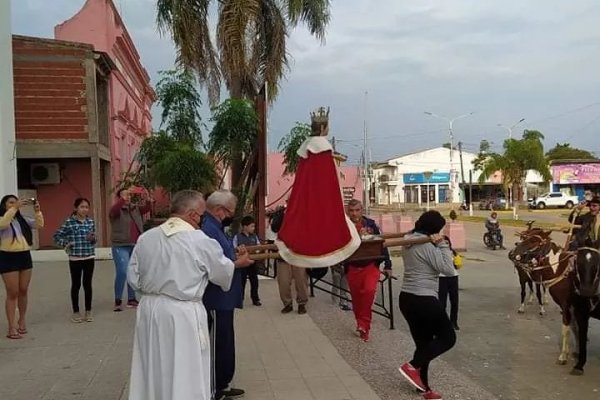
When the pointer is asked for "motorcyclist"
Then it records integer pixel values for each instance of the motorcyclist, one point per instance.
(493, 226)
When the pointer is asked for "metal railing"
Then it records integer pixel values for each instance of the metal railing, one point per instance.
(380, 306)
(384, 300)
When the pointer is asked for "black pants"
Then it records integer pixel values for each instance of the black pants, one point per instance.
(430, 329)
(224, 349)
(449, 288)
(81, 270)
(251, 273)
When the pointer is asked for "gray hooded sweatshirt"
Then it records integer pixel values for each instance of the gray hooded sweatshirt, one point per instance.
(423, 264)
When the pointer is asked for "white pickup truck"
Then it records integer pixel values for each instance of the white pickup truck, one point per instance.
(554, 199)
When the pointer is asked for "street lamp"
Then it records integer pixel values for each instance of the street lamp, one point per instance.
(450, 124)
(510, 129)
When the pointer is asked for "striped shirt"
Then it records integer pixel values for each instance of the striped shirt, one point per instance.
(75, 231)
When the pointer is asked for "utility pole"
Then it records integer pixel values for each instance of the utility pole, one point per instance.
(470, 192)
(462, 170)
(365, 161)
(451, 133)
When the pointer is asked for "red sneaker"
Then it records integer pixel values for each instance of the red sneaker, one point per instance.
(412, 375)
(431, 395)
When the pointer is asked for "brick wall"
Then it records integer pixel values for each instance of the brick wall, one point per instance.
(50, 90)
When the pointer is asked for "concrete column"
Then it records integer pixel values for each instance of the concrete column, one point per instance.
(97, 198)
(8, 153)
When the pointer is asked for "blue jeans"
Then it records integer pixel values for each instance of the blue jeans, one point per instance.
(121, 256)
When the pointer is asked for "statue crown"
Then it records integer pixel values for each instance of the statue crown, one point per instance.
(320, 115)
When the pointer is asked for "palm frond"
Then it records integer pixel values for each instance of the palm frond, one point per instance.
(187, 23)
(234, 27)
(314, 13)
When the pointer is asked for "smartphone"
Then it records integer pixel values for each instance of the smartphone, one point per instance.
(33, 200)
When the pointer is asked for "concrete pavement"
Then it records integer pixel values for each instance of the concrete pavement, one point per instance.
(279, 356)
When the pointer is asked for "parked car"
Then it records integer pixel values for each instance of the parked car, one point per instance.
(553, 199)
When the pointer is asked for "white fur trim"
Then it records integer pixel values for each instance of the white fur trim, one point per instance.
(326, 260)
(314, 144)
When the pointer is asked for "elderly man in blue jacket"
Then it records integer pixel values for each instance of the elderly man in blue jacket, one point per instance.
(220, 207)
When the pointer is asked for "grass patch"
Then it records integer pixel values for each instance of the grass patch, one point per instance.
(511, 222)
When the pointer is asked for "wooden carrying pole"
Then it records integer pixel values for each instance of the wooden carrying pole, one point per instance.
(267, 251)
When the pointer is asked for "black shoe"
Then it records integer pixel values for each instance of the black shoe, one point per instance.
(233, 393)
(287, 309)
(455, 326)
(301, 309)
(257, 303)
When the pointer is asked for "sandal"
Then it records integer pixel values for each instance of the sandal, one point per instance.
(22, 331)
(14, 335)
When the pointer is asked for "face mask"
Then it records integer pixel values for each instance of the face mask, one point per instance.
(226, 221)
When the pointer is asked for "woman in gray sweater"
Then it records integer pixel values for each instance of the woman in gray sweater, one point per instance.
(429, 324)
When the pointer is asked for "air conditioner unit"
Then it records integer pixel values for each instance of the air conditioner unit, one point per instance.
(45, 174)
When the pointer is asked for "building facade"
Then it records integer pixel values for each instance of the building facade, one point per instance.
(130, 95)
(82, 109)
(435, 176)
(575, 177)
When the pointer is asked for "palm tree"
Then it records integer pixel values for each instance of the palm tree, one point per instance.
(250, 39)
(519, 156)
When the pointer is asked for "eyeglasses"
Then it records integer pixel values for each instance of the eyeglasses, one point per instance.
(230, 212)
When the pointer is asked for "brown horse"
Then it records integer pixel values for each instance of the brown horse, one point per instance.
(586, 298)
(544, 262)
(524, 278)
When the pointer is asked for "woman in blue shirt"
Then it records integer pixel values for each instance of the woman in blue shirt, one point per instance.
(77, 236)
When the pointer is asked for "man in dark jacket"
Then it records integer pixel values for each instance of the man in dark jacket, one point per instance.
(589, 232)
(220, 209)
(364, 276)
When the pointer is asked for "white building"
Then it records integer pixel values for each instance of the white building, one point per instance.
(8, 159)
(435, 173)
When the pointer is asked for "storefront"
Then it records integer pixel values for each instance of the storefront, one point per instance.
(576, 177)
(417, 188)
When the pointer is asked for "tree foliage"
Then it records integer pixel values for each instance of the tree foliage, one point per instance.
(177, 94)
(519, 156)
(290, 144)
(235, 132)
(185, 168)
(250, 46)
(564, 151)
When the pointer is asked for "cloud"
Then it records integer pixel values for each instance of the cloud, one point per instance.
(505, 60)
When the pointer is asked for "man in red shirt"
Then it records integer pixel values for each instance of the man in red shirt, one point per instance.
(363, 276)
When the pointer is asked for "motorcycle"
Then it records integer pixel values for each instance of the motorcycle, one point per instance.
(491, 239)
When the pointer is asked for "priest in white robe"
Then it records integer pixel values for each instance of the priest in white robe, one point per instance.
(171, 266)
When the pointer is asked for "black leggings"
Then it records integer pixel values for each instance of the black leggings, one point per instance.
(430, 329)
(449, 289)
(81, 269)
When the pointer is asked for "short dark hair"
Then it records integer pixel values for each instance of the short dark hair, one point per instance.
(80, 200)
(595, 200)
(247, 220)
(430, 222)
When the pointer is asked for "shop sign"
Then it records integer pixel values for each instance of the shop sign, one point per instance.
(576, 173)
(436, 177)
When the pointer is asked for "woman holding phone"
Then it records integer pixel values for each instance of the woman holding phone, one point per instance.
(77, 236)
(16, 239)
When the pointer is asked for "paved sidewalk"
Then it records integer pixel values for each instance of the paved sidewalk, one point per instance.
(279, 356)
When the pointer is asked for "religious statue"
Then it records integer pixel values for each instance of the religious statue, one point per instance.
(316, 231)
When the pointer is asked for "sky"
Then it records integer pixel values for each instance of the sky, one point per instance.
(387, 65)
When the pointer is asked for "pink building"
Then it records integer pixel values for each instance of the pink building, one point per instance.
(82, 109)
(130, 95)
(278, 186)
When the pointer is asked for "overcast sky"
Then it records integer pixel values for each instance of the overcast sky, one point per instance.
(502, 60)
